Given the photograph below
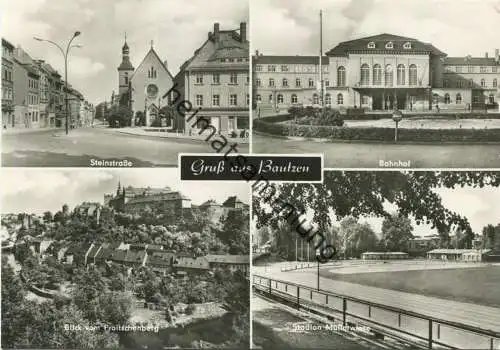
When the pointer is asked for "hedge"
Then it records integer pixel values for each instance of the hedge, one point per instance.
(377, 134)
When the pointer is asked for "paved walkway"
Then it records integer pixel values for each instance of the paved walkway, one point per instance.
(480, 316)
(16, 131)
(172, 135)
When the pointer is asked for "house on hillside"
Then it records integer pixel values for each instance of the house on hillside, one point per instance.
(232, 262)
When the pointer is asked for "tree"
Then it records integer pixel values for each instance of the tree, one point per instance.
(22, 252)
(396, 233)
(235, 232)
(355, 238)
(140, 118)
(237, 302)
(120, 116)
(47, 216)
(366, 193)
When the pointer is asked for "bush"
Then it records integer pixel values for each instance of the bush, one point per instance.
(190, 309)
(378, 134)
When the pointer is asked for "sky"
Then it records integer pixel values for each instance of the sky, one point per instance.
(177, 28)
(36, 190)
(456, 27)
(481, 206)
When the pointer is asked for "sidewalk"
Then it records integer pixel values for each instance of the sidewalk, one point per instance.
(17, 131)
(173, 135)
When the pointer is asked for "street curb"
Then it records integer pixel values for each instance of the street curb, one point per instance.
(325, 140)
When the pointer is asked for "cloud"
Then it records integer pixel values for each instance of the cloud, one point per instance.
(447, 24)
(37, 190)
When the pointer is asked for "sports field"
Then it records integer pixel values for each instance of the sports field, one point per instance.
(477, 285)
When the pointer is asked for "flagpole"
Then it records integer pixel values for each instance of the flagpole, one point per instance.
(321, 56)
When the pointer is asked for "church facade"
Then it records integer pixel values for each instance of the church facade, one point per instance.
(143, 89)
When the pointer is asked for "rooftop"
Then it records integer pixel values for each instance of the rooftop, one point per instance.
(261, 59)
(471, 61)
(379, 43)
(228, 259)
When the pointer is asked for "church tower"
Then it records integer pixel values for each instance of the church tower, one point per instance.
(125, 69)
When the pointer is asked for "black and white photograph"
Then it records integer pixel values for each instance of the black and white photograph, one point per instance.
(123, 83)
(416, 263)
(412, 85)
(123, 259)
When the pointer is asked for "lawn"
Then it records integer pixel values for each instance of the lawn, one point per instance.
(472, 285)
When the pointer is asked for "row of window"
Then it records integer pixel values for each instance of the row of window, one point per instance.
(389, 45)
(152, 74)
(32, 84)
(233, 100)
(294, 99)
(32, 99)
(300, 68)
(233, 123)
(7, 74)
(473, 69)
(33, 116)
(233, 78)
(388, 75)
(458, 98)
(461, 83)
(241, 59)
(365, 76)
(284, 82)
(7, 93)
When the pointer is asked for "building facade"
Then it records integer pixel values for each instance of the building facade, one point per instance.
(143, 89)
(216, 81)
(378, 73)
(33, 92)
(135, 200)
(8, 120)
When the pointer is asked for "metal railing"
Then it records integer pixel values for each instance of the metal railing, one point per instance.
(382, 319)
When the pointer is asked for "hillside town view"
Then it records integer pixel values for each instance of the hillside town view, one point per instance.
(125, 107)
(143, 268)
(412, 248)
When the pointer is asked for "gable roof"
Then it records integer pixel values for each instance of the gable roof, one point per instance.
(228, 259)
(232, 202)
(161, 258)
(198, 263)
(471, 61)
(155, 55)
(209, 203)
(262, 59)
(380, 41)
(229, 45)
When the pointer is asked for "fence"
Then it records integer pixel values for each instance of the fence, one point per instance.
(382, 319)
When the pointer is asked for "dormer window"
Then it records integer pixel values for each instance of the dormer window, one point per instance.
(389, 45)
(371, 45)
(407, 46)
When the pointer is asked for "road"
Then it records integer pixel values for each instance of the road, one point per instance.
(56, 149)
(474, 315)
(368, 155)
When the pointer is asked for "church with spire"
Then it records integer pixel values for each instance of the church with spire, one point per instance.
(143, 89)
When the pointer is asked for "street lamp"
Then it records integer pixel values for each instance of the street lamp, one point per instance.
(397, 116)
(65, 55)
(318, 258)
